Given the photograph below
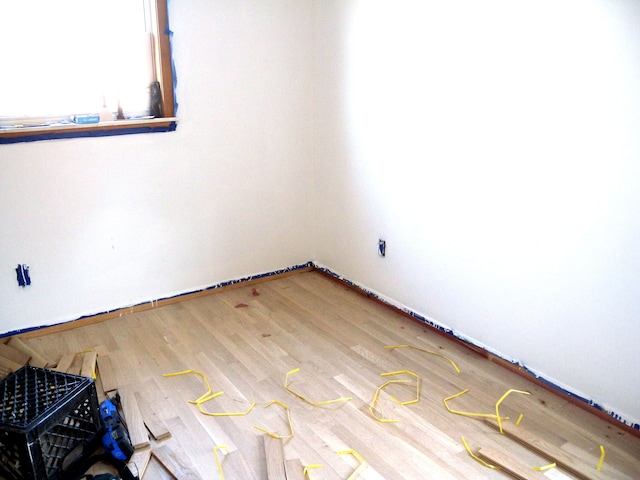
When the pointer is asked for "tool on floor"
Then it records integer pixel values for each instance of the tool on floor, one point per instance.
(115, 443)
(115, 440)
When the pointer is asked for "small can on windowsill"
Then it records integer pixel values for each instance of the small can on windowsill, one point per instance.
(84, 119)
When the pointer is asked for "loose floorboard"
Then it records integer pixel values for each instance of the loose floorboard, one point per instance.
(337, 339)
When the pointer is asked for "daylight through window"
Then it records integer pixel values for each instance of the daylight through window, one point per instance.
(72, 59)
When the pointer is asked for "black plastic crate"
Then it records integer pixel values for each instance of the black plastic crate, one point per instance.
(45, 416)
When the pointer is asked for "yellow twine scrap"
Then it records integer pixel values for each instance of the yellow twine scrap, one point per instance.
(545, 467)
(305, 472)
(290, 390)
(468, 414)
(507, 393)
(519, 419)
(374, 402)
(400, 372)
(495, 467)
(599, 467)
(475, 457)
(224, 414)
(362, 466)
(427, 351)
(273, 434)
(205, 397)
(215, 453)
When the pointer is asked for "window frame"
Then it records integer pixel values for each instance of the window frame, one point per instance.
(165, 76)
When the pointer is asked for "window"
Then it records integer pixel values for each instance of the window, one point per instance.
(84, 67)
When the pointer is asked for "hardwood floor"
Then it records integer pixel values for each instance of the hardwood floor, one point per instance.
(245, 341)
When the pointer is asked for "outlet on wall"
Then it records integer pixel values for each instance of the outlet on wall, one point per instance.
(22, 273)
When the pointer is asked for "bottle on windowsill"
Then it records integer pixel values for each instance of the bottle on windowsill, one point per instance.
(106, 115)
(120, 114)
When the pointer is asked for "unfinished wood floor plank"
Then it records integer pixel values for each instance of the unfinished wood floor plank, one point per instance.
(154, 424)
(65, 363)
(107, 375)
(140, 459)
(13, 354)
(37, 360)
(294, 469)
(274, 454)
(513, 466)
(8, 366)
(235, 465)
(4, 371)
(88, 368)
(133, 418)
(76, 364)
(336, 337)
(175, 463)
(549, 451)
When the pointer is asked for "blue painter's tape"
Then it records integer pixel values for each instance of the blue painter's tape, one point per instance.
(452, 333)
(249, 278)
(169, 32)
(109, 133)
(369, 293)
(88, 133)
(212, 287)
(22, 272)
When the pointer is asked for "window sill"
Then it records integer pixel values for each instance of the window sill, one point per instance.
(102, 129)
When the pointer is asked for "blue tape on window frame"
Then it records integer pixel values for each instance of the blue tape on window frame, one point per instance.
(109, 133)
(169, 32)
(88, 133)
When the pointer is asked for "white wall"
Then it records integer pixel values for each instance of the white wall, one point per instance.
(495, 145)
(110, 222)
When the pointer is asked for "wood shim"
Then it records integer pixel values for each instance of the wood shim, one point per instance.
(153, 422)
(88, 368)
(555, 454)
(140, 459)
(107, 375)
(76, 367)
(65, 363)
(275, 458)
(7, 366)
(294, 469)
(4, 371)
(509, 464)
(133, 418)
(14, 354)
(36, 360)
(175, 463)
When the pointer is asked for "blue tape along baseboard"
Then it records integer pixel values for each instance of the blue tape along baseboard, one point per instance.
(216, 286)
(391, 303)
(479, 346)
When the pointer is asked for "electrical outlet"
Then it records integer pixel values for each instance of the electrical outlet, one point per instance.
(22, 273)
(382, 247)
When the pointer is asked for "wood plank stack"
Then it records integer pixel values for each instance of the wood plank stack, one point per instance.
(143, 422)
(339, 340)
(277, 467)
(15, 353)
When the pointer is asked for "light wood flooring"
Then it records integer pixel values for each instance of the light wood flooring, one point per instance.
(245, 340)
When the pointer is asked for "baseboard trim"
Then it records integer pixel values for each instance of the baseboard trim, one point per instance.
(513, 366)
(588, 405)
(141, 307)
